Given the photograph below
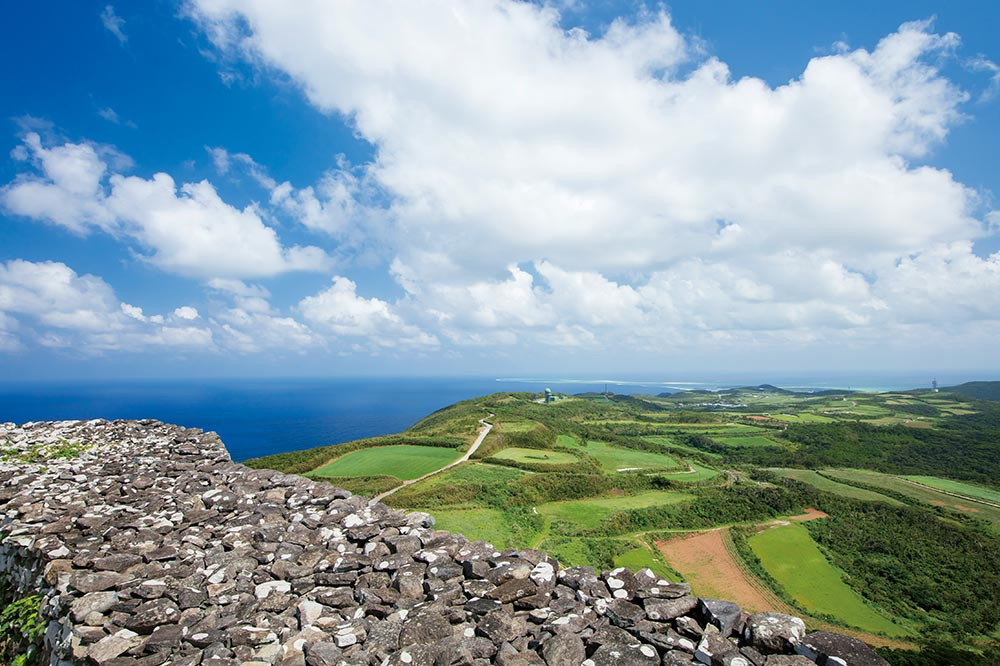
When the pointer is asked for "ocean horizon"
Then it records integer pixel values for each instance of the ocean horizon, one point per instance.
(256, 417)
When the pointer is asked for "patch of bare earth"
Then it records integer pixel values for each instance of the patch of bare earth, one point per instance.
(810, 514)
(708, 562)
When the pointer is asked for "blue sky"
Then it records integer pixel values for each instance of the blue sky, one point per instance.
(259, 188)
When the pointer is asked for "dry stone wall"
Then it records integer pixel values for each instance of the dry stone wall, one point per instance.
(150, 546)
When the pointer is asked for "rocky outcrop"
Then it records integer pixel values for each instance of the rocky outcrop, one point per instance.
(150, 546)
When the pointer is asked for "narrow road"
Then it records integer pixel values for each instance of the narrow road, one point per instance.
(468, 454)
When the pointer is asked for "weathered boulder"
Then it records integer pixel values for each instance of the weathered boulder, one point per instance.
(773, 632)
(829, 649)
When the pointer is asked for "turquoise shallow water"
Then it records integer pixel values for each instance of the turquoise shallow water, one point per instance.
(262, 416)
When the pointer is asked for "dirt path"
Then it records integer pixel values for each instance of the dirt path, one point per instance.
(709, 562)
(468, 454)
(977, 500)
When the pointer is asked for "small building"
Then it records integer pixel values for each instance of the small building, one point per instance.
(548, 396)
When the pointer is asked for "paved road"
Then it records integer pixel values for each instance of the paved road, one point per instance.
(468, 454)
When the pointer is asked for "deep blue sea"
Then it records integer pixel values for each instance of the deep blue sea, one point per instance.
(257, 417)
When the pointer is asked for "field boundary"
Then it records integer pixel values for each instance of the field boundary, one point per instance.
(487, 427)
(948, 492)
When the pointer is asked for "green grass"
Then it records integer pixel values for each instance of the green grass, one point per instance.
(476, 524)
(536, 456)
(792, 558)
(826, 485)
(803, 417)
(669, 442)
(613, 458)
(701, 473)
(590, 513)
(754, 440)
(962, 488)
(403, 462)
(920, 493)
(642, 557)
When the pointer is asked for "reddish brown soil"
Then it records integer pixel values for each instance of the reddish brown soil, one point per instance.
(707, 564)
(810, 514)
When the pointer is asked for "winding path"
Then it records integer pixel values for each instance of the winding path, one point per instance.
(468, 454)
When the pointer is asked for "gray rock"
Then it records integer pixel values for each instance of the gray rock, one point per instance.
(825, 647)
(724, 615)
(111, 646)
(424, 627)
(662, 610)
(788, 660)
(322, 653)
(622, 654)
(499, 626)
(714, 650)
(93, 602)
(152, 614)
(772, 633)
(564, 650)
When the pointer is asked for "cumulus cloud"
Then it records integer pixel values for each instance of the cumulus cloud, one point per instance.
(188, 229)
(186, 312)
(543, 181)
(66, 309)
(341, 310)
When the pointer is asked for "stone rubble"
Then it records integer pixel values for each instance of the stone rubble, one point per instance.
(152, 547)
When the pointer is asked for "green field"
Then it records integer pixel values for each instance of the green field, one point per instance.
(753, 440)
(590, 513)
(669, 442)
(826, 485)
(803, 417)
(967, 489)
(402, 461)
(476, 524)
(701, 473)
(614, 458)
(536, 456)
(920, 493)
(792, 558)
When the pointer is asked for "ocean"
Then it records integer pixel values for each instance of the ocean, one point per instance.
(257, 417)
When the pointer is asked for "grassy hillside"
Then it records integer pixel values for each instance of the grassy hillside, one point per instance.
(908, 481)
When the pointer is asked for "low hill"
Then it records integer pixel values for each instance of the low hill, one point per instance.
(977, 390)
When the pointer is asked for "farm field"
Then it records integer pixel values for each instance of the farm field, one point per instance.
(605, 476)
(920, 493)
(536, 456)
(754, 440)
(614, 458)
(707, 563)
(402, 461)
(476, 524)
(967, 489)
(671, 442)
(827, 485)
(791, 557)
(590, 513)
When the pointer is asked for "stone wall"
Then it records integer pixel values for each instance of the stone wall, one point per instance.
(150, 546)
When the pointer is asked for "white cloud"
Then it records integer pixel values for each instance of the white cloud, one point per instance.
(983, 64)
(186, 312)
(189, 230)
(80, 311)
(342, 311)
(109, 114)
(653, 194)
(114, 23)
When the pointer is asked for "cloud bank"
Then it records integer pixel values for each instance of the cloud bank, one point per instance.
(533, 184)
